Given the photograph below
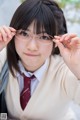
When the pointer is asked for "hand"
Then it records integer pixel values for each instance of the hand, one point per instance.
(6, 34)
(69, 46)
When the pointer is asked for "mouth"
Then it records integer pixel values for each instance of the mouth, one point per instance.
(31, 55)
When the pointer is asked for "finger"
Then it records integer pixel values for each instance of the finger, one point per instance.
(60, 45)
(3, 34)
(54, 41)
(57, 37)
(12, 29)
(67, 37)
(3, 44)
(7, 31)
(0, 37)
(13, 33)
(75, 42)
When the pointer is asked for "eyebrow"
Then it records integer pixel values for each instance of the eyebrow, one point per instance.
(38, 33)
(41, 32)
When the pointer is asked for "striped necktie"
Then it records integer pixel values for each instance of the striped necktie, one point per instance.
(26, 92)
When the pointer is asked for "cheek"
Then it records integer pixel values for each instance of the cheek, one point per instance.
(19, 47)
(47, 50)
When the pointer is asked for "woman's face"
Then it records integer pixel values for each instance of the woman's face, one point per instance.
(32, 49)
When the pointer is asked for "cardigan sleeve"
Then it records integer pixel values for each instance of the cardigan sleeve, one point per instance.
(72, 86)
(67, 81)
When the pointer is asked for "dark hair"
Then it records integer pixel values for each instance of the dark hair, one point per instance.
(46, 13)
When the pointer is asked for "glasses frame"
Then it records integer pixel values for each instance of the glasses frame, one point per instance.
(30, 36)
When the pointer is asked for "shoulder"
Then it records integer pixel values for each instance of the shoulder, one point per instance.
(57, 61)
(59, 67)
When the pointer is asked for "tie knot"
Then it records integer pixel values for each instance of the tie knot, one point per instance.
(31, 77)
(28, 79)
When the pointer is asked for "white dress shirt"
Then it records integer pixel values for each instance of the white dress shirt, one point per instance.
(34, 82)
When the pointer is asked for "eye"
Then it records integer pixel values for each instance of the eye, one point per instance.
(44, 37)
(24, 33)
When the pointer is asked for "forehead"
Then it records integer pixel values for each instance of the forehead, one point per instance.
(35, 27)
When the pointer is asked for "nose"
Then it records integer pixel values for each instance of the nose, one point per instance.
(32, 45)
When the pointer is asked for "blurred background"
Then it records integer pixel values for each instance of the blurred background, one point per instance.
(71, 10)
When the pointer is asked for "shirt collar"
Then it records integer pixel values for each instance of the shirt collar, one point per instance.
(38, 73)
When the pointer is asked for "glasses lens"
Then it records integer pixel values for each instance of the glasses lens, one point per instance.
(43, 39)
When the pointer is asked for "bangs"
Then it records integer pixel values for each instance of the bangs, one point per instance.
(43, 22)
(42, 15)
(47, 17)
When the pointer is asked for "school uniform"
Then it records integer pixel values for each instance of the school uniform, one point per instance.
(50, 94)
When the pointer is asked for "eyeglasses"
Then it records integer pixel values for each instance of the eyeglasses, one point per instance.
(42, 38)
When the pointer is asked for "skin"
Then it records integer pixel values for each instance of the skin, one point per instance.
(6, 34)
(32, 54)
(68, 44)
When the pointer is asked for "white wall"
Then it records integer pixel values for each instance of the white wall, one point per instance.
(7, 8)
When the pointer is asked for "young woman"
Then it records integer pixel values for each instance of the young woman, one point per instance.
(38, 45)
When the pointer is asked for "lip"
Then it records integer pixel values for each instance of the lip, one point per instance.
(32, 55)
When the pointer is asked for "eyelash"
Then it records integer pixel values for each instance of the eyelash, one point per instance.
(44, 37)
(23, 33)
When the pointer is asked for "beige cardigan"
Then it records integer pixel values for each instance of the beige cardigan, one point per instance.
(51, 97)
